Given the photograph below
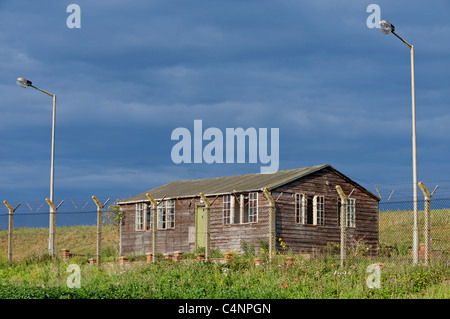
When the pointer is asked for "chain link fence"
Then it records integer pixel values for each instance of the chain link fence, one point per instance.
(396, 220)
(30, 231)
(76, 230)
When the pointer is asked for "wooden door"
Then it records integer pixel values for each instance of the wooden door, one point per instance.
(200, 227)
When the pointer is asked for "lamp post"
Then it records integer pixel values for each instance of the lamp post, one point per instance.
(386, 28)
(26, 83)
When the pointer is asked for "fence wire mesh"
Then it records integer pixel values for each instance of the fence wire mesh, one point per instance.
(76, 230)
(396, 220)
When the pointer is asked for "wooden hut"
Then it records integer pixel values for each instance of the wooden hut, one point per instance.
(306, 217)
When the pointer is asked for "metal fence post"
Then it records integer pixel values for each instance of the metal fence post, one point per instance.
(271, 222)
(427, 211)
(154, 210)
(207, 215)
(343, 198)
(52, 222)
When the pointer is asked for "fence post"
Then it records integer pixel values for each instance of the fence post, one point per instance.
(427, 211)
(207, 215)
(10, 229)
(343, 222)
(271, 222)
(52, 222)
(154, 209)
(99, 229)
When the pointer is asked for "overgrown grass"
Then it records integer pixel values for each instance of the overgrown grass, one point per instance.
(395, 230)
(34, 275)
(32, 243)
(239, 279)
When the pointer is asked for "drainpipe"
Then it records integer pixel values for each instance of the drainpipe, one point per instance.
(427, 202)
(154, 208)
(272, 229)
(343, 222)
(207, 244)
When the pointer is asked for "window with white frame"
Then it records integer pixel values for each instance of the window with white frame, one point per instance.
(227, 209)
(351, 203)
(140, 211)
(253, 207)
(309, 210)
(240, 209)
(300, 208)
(166, 214)
(319, 210)
(351, 212)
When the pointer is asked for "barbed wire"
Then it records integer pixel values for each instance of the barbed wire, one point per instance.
(36, 207)
(394, 192)
(404, 191)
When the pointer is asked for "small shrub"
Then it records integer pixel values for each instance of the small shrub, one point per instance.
(249, 251)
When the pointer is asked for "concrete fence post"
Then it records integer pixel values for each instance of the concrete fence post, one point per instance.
(343, 220)
(272, 229)
(52, 226)
(427, 217)
(154, 210)
(207, 215)
(10, 230)
(99, 229)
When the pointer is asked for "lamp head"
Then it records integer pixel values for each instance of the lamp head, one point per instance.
(386, 27)
(23, 82)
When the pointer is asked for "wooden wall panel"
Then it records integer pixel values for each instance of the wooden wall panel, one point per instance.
(307, 238)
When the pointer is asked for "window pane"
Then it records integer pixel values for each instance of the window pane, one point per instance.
(140, 216)
(238, 209)
(320, 210)
(162, 215)
(226, 209)
(171, 214)
(149, 219)
(253, 207)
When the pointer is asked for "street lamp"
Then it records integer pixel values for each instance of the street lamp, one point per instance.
(386, 27)
(26, 83)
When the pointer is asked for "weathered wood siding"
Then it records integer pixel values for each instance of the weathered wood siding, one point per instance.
(310, 238)
(182, 237)
(169, 240)
(231, 237)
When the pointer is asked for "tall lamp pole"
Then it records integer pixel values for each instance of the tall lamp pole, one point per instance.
(26, 83)
(386, 28)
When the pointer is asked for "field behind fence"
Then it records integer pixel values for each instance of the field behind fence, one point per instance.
(396, 221)
(76, 230)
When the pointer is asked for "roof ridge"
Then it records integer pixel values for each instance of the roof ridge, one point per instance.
(252, 174)
(227, 184)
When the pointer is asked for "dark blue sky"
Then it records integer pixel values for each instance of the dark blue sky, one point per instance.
(338, 91)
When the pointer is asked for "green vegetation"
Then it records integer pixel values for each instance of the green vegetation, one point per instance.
(34, 275)
(395, 231)
(31, 243)
(239, 278)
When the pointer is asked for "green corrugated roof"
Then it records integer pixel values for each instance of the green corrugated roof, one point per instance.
(226, 184)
